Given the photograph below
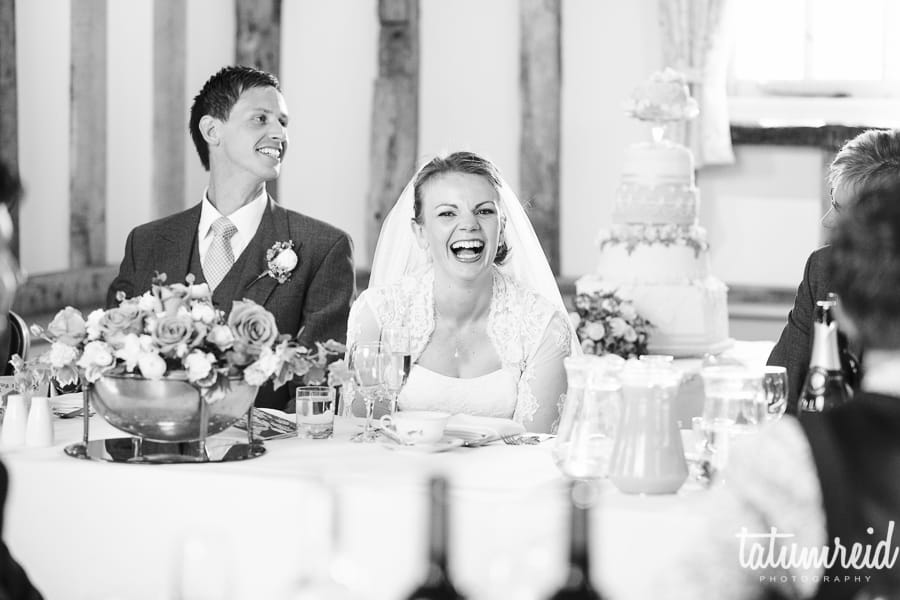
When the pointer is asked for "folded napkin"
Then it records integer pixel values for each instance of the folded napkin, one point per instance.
(470, 427)
(269, 424)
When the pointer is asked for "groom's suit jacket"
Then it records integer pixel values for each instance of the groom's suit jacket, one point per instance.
(315, 299)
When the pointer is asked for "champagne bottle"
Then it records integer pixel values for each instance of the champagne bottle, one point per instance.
(437, 584)
(578, 580)
(826, 385)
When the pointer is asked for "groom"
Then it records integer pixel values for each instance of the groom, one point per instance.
(231, 238)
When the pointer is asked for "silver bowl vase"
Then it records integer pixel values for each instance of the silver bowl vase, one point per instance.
(166, 409)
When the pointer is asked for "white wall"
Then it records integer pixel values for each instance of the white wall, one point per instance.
(761, 213)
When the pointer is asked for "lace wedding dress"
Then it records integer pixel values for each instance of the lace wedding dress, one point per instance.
(530, 335)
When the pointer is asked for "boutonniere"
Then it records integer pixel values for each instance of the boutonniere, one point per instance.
(280, 261)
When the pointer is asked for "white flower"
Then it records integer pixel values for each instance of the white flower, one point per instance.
(575, 318)
(93, 324)
(263, 368)
(129, 351)
(198, 364)
(286, 260)
(152, 365)
(96, 357)
(61, 355)
(630, 334)
(595, 330)
(628, 311)
(618, 326)
(149, 303)
(203, 312)
(221, 336)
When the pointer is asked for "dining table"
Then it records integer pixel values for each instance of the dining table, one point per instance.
(313, 512)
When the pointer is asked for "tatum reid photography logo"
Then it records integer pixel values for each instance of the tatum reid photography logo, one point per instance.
(773, 550)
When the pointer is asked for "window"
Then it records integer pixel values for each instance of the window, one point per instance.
(816, 48)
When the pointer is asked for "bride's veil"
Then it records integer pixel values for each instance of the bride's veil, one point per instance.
(397, 254)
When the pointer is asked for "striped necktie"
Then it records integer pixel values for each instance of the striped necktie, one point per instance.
(220, 256)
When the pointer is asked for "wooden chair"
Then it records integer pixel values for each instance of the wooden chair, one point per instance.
(19, 340)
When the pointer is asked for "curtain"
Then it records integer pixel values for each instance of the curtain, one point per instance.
(695, 41)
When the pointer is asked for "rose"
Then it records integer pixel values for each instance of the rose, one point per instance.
(68, 326)
(93, 323)
(254, 327)
(172, 333)
(285, 261)
(121, 321)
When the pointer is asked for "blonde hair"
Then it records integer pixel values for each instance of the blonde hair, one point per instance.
(870, 160)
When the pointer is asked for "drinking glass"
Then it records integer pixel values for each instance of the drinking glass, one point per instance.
(315, 412)
(397, 339)
(774, 384)
(370, 362)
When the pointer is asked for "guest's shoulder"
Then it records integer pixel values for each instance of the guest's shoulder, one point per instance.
(310, 226)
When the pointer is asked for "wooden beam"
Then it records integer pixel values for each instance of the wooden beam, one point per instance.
(540, 77)
(258, 42)
(169, 112)
(9, 108)
(395, 112)
(87, 140)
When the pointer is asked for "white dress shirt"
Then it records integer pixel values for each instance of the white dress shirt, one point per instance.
(247, 219)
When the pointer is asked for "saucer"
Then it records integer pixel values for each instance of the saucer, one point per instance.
(442, 445)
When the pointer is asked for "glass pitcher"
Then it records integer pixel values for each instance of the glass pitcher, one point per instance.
(648, 457)
(589, 416)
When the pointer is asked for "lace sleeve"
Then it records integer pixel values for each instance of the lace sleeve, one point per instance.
(363, 324)
(543, 379)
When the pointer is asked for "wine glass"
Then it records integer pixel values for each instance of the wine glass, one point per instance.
(369, 365)
(774, 384)
(397, 339)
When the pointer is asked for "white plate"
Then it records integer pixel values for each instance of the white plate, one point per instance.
(448, 443)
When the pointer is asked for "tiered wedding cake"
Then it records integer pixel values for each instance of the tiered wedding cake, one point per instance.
(655, 253)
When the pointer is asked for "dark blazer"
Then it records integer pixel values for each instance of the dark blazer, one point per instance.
(795, 344)
(316, 299)
(794, 347)
(14, 582)
(856, 449)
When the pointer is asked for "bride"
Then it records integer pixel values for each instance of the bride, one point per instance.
(459, 265)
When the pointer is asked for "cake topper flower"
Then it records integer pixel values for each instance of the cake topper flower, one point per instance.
(662, 98)
(280, 261)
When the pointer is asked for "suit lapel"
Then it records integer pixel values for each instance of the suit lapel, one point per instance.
(273, 228)
(176, 244)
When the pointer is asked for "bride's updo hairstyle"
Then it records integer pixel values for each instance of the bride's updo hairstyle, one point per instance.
(458, 162)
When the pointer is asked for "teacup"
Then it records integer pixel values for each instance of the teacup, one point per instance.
(417, 426)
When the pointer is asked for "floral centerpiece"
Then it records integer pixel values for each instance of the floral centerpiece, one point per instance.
(607, 324)
(175, 331)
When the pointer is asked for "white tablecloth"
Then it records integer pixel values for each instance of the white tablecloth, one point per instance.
(95, 530)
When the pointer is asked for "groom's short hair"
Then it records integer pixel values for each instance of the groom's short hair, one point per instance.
(865, 266)
(219, 95)
(458, 162)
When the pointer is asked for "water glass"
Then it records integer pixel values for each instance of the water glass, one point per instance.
(774, 385)
(733, 393)
(315, 412)
(397, 339)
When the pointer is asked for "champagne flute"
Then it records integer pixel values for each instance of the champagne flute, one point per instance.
(774, 384)
(369, 365)
(397, 339)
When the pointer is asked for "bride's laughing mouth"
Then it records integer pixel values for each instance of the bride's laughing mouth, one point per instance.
(467, 250)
